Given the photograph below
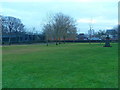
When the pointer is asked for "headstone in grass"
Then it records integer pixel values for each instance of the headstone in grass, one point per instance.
(107, 41)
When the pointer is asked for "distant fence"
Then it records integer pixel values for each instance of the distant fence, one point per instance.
(67, 41)
(90, 41)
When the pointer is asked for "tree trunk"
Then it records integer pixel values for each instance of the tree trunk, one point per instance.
(56, 42)
(89, 41)
(64, 40)
(9, 40)
(47, 43)
(59, 41)
(19, 39)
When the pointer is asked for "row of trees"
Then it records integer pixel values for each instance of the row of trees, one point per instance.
(13, 30)
(102, 33)
(60, 27)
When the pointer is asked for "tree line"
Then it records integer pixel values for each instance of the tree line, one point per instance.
(58, 28)
(12, 29)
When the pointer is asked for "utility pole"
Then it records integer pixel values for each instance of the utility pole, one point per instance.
(90, 30)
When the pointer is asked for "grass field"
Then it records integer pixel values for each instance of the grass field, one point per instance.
(73, 65)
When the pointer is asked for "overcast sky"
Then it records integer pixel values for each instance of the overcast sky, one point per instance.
(33, 13)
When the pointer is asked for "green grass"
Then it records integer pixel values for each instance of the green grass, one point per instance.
(72, 65)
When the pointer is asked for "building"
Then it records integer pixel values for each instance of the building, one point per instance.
(14, 38)
(82, 36)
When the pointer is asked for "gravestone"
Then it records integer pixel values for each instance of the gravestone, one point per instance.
(107, 41)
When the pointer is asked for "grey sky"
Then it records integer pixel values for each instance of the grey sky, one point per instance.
(104, 14)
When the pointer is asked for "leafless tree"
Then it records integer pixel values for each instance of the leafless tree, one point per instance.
(72, 33)
(59, 27)
(48, 33)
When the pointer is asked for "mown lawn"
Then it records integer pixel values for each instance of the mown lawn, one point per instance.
(73, 65)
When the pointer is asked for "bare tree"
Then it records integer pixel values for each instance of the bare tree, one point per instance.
(48, 33)
(58, 27)
(72, 33)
